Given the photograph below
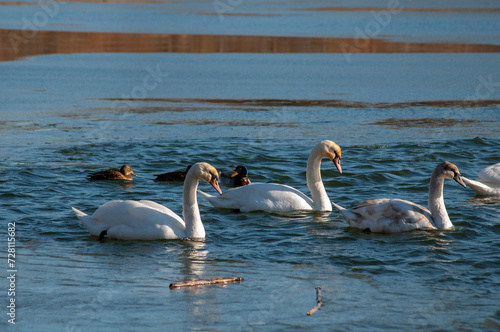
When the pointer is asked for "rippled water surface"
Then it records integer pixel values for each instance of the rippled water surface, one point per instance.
(395, 116)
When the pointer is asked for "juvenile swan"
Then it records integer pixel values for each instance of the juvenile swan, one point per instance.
(147, 220)
(397, 215)
(487, 182)
(273, 197)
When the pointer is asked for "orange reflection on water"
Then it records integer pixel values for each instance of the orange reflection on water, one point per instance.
(334, 103)
(15, 44)
(398, 8)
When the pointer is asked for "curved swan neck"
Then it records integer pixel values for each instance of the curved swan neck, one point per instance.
(190, 210)
(436, 202)
(315, 183)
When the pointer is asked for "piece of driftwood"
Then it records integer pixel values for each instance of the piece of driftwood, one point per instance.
(319, 301)
(194, 283)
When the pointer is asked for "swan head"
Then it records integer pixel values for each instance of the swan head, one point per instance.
(239, 170)
(207, 173)
(127, 170)
(332, 152)
(449, 171)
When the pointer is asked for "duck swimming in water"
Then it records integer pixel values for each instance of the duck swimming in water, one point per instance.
(236, 178)
(125, 173)
(175, 176)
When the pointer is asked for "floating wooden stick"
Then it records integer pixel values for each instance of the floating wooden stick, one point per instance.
(193, 283)
(319, 300)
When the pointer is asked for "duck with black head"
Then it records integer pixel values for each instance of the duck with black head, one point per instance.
(235, 178)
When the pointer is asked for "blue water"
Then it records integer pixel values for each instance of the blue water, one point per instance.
(67, 279)
(65, 116)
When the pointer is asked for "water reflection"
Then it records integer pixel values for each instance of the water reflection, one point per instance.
(332, 103)
(193, 258)
(15, 44)
(406, 9)
(321, 217)
(480, 200)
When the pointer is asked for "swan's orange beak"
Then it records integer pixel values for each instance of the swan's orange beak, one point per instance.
(336, 161)
(215, 184)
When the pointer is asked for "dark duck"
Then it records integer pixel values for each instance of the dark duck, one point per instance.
(125, 173)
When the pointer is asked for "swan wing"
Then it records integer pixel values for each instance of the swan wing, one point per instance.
(389, 216)
(162, 209)
(269, 197)
(141, 220)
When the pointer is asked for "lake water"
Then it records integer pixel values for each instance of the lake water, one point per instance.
(74, 102)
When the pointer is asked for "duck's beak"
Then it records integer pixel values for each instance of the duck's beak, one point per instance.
(133, 174)
(215, 184)
(234, 174)
(458, 178)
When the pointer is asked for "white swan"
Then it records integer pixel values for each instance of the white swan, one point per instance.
(273, 197)
(147, 220)
(487, 182)
(397, 215)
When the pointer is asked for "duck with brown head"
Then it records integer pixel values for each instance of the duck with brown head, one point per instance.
(125, 173)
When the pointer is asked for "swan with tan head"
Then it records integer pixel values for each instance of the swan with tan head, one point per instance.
(147, 220)
(272, 197)
(396, 215)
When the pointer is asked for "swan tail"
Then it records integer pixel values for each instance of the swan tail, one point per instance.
(347, 214)
(480, 188)
(94, 227)
(208, 197)
(217, 201)
(338, 207)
